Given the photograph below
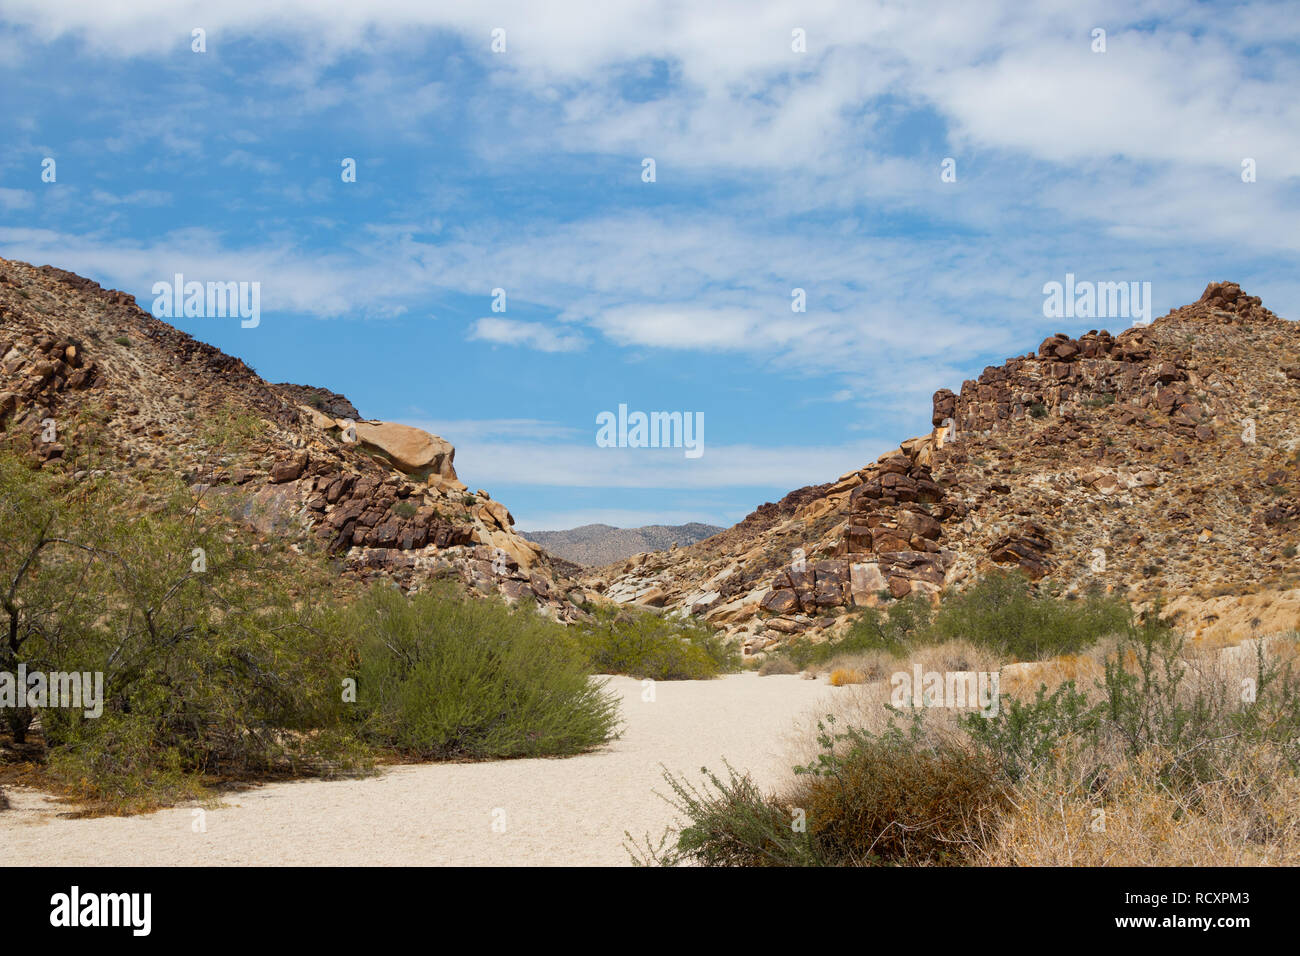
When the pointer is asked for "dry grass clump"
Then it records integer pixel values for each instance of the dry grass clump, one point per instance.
(843, 676)
(1250, 817)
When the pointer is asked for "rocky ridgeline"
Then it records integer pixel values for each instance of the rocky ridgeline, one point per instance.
(129, 394)
(1161, 461)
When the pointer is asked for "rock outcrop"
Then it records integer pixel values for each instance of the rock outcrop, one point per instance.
(411, 450)
(90, 381)
(1159, 462)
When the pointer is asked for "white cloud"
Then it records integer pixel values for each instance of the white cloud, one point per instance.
(243, 159)
(527, 334)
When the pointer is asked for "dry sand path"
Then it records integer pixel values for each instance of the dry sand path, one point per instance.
(556, 811)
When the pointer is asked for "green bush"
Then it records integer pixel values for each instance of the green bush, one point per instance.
(1024, 736)
(206, 666)
(1147, 703)
(866, 800)
(445, 676)
(903, 625)
(731, 823)
(1207, 726)
(1001, 612)
(645, 645)
(221, 658)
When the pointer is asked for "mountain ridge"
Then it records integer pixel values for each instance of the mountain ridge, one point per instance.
(1162, 462)
(599, 544)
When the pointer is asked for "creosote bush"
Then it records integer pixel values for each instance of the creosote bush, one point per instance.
(645, 645)
(446, 676)
(1001, 612)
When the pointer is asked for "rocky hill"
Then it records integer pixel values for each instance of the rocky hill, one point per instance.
(1159, 462)
(90, 381)
(598, 544)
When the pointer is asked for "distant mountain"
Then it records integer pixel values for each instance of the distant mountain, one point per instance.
(597, 544)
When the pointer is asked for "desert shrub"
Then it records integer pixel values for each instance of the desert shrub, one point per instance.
(1150, 700)
(777, 665)
(904, 624)
(1154, 702)
(1001, 612)
(642, 645)
(1023, 736)
(898, 798)
(865, 800)
(730, 823)
(442, 675)
(206, 667)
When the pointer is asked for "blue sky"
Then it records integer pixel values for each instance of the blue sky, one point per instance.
(775, 170)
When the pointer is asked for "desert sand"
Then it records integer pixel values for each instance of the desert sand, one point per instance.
(565, 811)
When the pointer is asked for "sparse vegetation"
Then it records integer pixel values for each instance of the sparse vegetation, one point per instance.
(1183, 759)
(1001, 612)
(642, 644)
(215, 664)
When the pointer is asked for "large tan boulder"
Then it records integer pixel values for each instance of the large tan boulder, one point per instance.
(522, 550)
(494, 513)
(412, 450)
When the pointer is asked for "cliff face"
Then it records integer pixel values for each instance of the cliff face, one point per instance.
(1158, 462)
(90, 381)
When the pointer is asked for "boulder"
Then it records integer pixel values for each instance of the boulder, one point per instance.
(865, 582)
(411, 450)
(288, 470)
